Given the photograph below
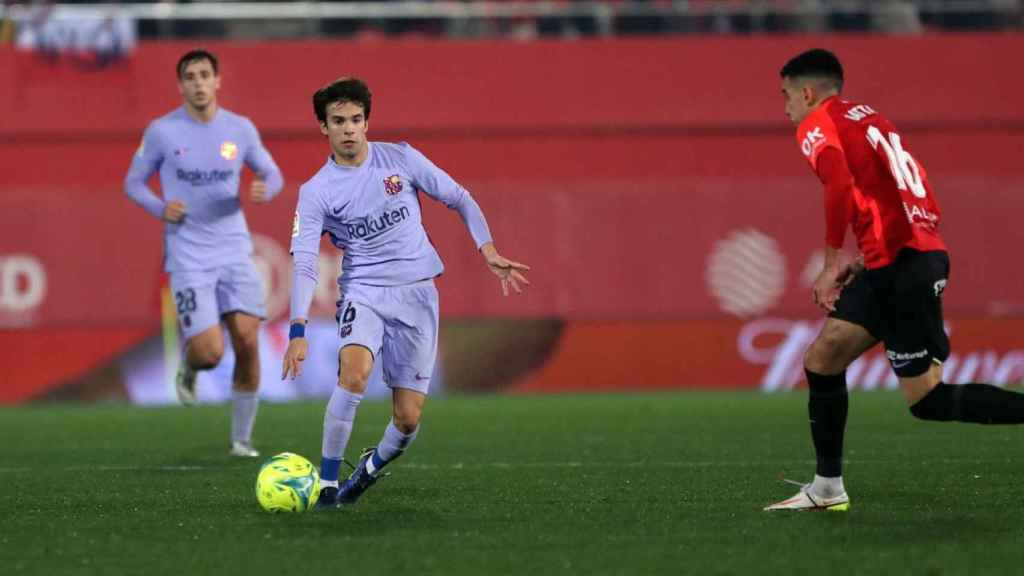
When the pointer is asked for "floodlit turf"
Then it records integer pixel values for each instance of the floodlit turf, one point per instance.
(640, 484)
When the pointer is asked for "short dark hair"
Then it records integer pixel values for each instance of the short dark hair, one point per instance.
(346, 89)
(196, 56)
(816, 63)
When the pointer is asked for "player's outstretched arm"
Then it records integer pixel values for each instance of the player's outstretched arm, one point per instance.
(437, 184)
(509, 272)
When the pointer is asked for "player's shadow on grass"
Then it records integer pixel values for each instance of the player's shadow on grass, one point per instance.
(874, 525)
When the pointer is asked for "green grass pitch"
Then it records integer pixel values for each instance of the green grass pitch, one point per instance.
(598, 484)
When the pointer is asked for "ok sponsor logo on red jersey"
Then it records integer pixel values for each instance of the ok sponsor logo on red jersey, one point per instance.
(815, 137)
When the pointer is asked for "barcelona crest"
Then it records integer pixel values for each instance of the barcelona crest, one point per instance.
(393, 185)
(229, 150)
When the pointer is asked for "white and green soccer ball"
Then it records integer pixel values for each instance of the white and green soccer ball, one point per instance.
(287, 483)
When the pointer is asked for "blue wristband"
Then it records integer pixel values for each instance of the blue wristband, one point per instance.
(297, 331)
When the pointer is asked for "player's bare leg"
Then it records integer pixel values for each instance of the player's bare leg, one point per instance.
(406, 409)
(838, 344)
(916, 388)
(244, 331)
(202, 352)
(356, 363)
(836, 347)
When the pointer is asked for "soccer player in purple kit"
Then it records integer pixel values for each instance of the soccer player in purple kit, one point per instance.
(198, 150)
(366, 199)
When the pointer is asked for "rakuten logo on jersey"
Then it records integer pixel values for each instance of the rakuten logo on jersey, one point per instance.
(371, 227)
(812, 140)
(204, 177)
(779, 345)
(22, 288)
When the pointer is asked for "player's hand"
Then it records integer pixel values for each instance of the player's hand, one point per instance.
(293, 357)
(510, 273)
(258, 191)
(826, 289)
(174, 211)
(849, 271)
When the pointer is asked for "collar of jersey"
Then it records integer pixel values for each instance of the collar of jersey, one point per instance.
(189, 118)
(350, 169)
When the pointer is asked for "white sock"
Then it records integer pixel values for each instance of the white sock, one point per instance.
(339, 418)
(391, 446)
(243, 415)
(828, 487)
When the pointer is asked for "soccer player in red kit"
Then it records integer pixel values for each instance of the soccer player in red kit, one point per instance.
(893, 292)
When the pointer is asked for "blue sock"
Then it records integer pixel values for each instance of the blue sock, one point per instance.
(329, 469)
(391, 446)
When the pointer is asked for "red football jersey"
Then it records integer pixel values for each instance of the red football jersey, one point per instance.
(893, 204)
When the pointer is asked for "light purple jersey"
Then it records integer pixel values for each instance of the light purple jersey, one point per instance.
(372, 212)
(200, 164)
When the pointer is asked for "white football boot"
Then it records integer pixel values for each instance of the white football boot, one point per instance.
(243, 450)
(808, 499)
(185, 384)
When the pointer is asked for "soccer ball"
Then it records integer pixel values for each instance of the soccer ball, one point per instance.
(287, 483)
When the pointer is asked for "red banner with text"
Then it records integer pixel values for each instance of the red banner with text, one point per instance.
(653, 183)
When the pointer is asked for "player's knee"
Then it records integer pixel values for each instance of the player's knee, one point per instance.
(207, 355)
(354, 378)
(825, 354)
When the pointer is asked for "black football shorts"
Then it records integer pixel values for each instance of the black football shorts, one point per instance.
(901, 305)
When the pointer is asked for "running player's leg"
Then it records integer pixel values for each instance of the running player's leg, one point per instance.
(240, 301)
(244, 331)
(406, 409)
(204, 350)
(409, 354)
(846, 334)
(196, 302)
(839, 343)
(916, 345)
(361, 330)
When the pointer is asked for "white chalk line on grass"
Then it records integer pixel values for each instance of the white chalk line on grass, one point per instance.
(683, 464)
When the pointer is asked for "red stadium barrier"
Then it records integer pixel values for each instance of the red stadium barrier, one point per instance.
(642, 179)
(766, 353)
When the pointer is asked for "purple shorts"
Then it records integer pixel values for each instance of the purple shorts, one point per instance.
(201, 297)
(398, 324)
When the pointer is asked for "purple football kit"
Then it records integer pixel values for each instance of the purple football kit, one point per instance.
(209, 253)
(388, 303)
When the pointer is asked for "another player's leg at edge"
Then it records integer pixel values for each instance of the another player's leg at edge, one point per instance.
(204, 352)
(928, 398)
(356, 364)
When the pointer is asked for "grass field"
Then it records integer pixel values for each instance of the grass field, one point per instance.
(639, 484)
